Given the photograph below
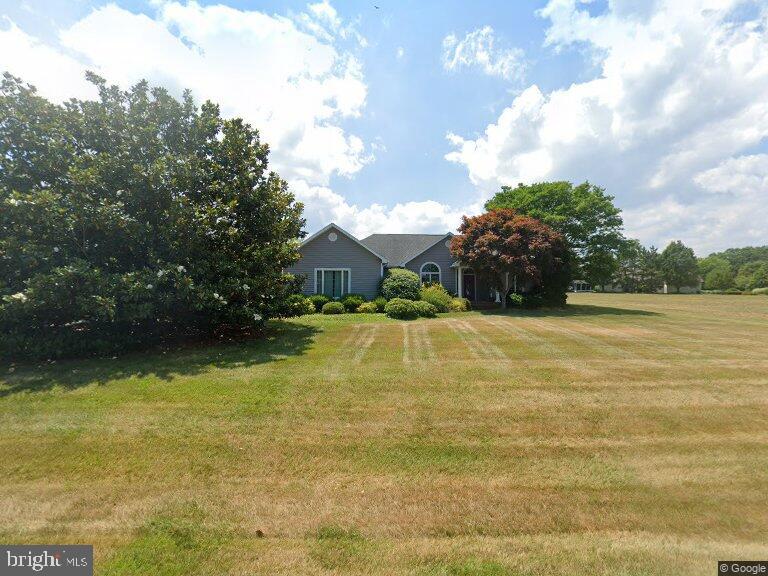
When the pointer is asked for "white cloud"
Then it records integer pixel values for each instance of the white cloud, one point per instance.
(426, 216)
(682, 89)
(480, 49)
(294, 84)
(400, 52)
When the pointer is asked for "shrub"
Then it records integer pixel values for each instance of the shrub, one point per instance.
(460, 305)
(533, 301)
(368, 308)
(760, 291)
(333, 308)
(401, 283)
(319, 300)
(515, 300)
(436, 295)
(352, 301)
(401, 309)
(732, 291)
(299, 305)
(425, 309)
(380, 302)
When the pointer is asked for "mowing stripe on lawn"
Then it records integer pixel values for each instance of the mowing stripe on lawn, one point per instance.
(358, 342)
(590, 342)
(537, 343)
(478, 345)
(417, 345)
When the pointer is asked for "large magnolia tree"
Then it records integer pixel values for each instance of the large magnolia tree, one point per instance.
(134, 215)
(507, 248)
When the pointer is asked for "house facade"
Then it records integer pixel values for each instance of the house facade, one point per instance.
(336, 263)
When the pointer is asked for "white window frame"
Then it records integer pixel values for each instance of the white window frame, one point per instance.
(322, 279)
(439, 272)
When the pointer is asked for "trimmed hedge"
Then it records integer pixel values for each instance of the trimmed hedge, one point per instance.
(334, 308)
(401, 283)
(425, 309)
(436, 295)
(760, 291)
(299, 305)
(352, 301)
(368, 308)
(380, 302)
(401, 309)
(319, 300)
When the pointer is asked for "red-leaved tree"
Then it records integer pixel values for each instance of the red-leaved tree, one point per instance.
(502, 245)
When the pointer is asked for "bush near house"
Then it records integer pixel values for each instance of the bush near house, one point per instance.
(352, 301)
(425, 309)
(380, 302)
(401, 309)
(298, 305)
(401, 283)
(515, 300)
(460, 305)
(368, 308)
(333, 308)
(436, 295)
(319, 300)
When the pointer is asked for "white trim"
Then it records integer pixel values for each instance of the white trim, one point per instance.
(347, 234)
(322, 281)
(404, 262)
(439, 272)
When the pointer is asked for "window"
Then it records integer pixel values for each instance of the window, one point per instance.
(430, 273)
(333, 282)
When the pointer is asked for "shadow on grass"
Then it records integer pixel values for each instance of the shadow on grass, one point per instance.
(280, 341)
(571, 310)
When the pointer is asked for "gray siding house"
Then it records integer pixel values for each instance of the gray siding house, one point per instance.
(335, 263)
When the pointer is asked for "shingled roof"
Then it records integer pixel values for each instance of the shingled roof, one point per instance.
(400, 248)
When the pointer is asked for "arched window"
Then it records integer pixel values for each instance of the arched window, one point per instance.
(430, 273)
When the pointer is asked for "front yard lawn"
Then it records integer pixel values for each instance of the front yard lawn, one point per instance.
(624, 435)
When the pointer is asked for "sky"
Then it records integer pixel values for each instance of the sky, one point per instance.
(403, 116)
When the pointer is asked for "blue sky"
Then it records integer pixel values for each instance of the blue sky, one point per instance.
(405, 116)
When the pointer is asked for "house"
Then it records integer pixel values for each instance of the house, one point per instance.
(335, 263)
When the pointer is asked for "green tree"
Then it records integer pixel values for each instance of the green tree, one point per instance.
(584, 214)
(679, 266)
(650, 279)
(132, 216)
(502, 245)
(638, 267)
(629, 265)
(752, 275)
(760, 278)
(716, 272)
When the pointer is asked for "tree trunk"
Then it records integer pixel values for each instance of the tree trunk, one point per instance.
(505, 292)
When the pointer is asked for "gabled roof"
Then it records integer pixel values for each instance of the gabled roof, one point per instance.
(399, 249)
(324, 229)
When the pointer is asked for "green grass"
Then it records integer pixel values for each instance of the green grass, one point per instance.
(622, 435)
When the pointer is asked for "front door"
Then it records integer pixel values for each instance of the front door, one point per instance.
(469, 286)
